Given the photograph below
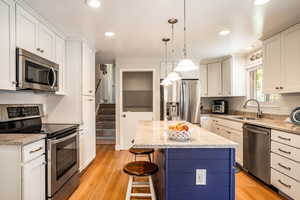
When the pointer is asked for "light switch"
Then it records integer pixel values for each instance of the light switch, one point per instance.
(200, 176)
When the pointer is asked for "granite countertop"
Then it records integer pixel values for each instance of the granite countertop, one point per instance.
(20, 139)
(268, 123)
(153, 134)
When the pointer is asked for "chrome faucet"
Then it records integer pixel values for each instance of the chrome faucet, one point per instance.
(259, 112)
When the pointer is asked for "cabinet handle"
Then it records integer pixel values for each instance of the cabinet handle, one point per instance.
(90, 91)
(284, 167)
(44, 163)
(228, 132)
(281, 87)
(124, 116)
(283, 138)
(284, 184)
(42, 51)
(283, 151)
(36, 150)
(38, 49)
(277, 88)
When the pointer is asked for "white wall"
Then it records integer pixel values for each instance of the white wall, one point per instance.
(136, 63)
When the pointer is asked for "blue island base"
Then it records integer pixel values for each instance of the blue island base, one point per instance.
(176, 179)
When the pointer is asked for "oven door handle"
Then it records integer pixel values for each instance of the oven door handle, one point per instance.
(64, 138)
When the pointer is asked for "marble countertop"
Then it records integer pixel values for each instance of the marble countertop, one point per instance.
(268, 123)
(153, 134)
(20, 139)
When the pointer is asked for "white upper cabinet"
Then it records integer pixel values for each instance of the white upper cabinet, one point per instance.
(291, 59)
(7, 47)
(166, 68)
(60, 55)
(88, 71)
(203, 80)
(34, 36)
(281, 62)
(26, 30)
(214, 79)
(226, 77)
(46, 43)
(272, 65)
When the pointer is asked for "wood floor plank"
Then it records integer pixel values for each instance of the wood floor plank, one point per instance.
(105, 180)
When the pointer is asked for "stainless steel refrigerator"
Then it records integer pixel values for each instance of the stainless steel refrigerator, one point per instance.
(181, 101)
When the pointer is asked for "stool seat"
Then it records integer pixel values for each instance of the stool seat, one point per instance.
(137, 151)
(140, 168)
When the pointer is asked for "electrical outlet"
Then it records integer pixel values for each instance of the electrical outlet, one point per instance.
(200, 176)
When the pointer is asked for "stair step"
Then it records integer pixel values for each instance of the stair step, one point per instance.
(105, 118)
(106, 133)
(105, 111)
(107, 105)
(106, 125)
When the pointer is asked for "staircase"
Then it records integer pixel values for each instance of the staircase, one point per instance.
(106, 124)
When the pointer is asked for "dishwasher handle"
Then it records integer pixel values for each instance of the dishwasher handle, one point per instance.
(257, 131)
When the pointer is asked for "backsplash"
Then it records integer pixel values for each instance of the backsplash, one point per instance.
(283, 106)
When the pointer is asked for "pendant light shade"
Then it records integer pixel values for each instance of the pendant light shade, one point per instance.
(166, 81)
(185, 64)
(173, 76)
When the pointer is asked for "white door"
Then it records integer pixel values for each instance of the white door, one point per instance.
(26, 31)
(291, 60)
(7, 47)
(34, 182)
(214, 72)
(46, 43)
(88, 136)
(203, 80)
(226, 77)
(86, 70)
(129, 125)
(272, 65)
(60, 54)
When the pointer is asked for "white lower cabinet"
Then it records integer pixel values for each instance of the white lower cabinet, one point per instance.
(285, 163)
(34, 179)
(23, 172)
(87, 135)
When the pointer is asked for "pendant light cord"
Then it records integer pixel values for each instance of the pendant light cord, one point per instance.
(173, 50)
(184, 29)
(166, 56)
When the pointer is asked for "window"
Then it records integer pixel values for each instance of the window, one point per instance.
(255, 86)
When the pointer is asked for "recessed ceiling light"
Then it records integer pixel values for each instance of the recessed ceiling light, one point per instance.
(249, 48)
(93, 3)
(260, 2)
(224, 32)
(109, 34)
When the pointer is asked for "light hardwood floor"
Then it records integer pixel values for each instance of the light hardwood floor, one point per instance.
(105, 180)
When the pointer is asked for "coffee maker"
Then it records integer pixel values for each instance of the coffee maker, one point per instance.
(220, 107)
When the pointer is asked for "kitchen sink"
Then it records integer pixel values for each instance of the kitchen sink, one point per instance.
(246, 118)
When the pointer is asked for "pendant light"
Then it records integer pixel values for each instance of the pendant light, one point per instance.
(173, 76)
(185, 64)
(166, 81)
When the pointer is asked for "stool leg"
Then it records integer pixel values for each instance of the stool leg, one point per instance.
(129, 188)
(152, 191)
(149, 157)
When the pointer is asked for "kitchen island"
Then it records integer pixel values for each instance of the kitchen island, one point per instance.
(201, 168)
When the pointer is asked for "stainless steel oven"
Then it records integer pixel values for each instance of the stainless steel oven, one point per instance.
(63, 164)
(35, 72)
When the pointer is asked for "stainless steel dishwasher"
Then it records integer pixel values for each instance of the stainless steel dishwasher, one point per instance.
(257, 150)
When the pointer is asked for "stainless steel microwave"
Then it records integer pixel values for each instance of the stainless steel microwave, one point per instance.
(35, 72)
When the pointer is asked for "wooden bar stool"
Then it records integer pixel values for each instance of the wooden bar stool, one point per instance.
(139, 152)
(140, 169)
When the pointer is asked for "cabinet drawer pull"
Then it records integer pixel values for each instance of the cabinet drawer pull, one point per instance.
(285, 167)
(283, 151)
(277, 88)
(36, 150)
(284, 184)
(281, 88)
(228, 132)
(283, 138)
(42, 51)
(38, 49)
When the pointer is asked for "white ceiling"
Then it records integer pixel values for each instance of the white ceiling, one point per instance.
(139, 25)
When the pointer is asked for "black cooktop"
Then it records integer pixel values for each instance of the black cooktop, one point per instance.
(35, 125)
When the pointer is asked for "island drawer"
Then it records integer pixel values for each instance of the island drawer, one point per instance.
(285, 184)
(198, 153)
(285, 166)
(286, 151)
(286, 138)
(33, 150)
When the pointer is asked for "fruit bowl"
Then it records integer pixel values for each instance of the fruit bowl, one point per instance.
(179, 135)
(179, 132)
